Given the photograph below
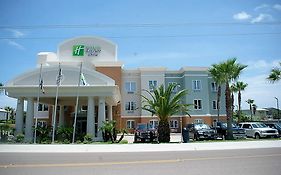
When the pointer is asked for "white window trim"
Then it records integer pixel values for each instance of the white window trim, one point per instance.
(132, 106)
(197, 101)
(200, 85)
(130, 88)
(215, 105)
(216, 87)
(154, 85)
(43, 107)
(154, 121)
(175, 124)
(130, 125)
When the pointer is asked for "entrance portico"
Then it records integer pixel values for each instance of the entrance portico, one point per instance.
(100, 91)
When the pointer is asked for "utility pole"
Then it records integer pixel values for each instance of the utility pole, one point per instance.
(277, 105)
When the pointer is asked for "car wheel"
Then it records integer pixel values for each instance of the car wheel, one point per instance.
(257, 136)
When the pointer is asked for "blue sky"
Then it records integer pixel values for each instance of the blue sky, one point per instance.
(149, 33)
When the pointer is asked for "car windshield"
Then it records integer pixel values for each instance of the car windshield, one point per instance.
(278, 125)
(233, 125)
(259, 125)
(142, 127)
(201, 126)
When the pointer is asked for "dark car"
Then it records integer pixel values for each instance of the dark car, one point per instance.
(275, 126)
(145, 133)
(201, 132)
(221, 128)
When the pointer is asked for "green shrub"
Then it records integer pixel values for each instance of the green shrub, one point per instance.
(19, 138)
(88, 139)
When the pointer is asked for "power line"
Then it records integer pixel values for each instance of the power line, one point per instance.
(149, 36)
(136, 25)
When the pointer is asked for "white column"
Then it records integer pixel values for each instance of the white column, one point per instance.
(109, 112)
(19, 116)
(61, 116)
(91, 117)
(101, 115)
(29, 120)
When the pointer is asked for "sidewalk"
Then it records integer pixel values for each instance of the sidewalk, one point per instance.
(32, 148)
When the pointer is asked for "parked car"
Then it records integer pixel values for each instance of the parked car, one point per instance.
(275, 126)
(145, 133)
(258, 130)
(221, 128)
(201, 131)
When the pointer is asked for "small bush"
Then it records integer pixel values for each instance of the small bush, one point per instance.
(19, 138)
(88, 139)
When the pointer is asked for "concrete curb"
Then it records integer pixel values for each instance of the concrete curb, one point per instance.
(94, 148)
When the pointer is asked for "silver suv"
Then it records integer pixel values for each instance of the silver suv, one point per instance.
(258, 130)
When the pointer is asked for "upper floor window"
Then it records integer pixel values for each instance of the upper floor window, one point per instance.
(130, 106)
(152, 85)
(42, 107)
(214, 104)
(196, 84)
(130, 86)
(214, 87)
(84, 108)
(176, 89)
(174, 124)
(130, 124)
(197, 104)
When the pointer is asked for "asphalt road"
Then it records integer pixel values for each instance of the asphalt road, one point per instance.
(230, 162)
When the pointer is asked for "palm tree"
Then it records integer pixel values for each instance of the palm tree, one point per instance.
(251, 102)
(217, 77)
(230, 71)
(1, 88)
(239, 86)
(275, 74)
(164, 103)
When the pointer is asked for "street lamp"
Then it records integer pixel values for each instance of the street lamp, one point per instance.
(277, 105)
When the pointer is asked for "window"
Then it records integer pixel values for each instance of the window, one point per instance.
(152, 84)
(176, 89)
(196, 85)
(214, 104)
(174, 124)
(154, 123)
(130, 124)
(130, 106)
(214, 87)
(130, 87)
(197, 104)
(42, 107)
(198, 121)
(84, 108)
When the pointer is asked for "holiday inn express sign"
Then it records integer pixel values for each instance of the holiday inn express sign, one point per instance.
(82, 50)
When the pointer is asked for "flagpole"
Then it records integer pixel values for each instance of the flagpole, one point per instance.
(56, 104)
(36, 118)
(76, 106)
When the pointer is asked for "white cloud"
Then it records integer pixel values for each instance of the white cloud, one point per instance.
(262, 6)
(16, 33)
(241, 16)
(261, 64)
(277, 6)
(15, 44)
(262, 18)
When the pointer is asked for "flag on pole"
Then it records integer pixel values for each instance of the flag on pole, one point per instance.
(59, 77)
(83, 80)
(41, 86)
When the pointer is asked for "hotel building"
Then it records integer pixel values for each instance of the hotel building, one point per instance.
(108, 91)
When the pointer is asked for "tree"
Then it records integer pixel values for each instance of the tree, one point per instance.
(239, 86)
(217, 77)
(251, 102)
(230, 71)
(11, 112)
(163, 103)
(275, 74)
(1, 88)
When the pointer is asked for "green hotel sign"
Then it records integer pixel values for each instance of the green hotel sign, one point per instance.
(82, 50)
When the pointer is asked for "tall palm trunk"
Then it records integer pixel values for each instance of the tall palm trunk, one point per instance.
(228, 112)
(218, 101)
(239, 106)
(163, 131)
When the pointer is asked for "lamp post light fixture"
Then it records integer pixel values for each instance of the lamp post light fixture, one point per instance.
(277, 105)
